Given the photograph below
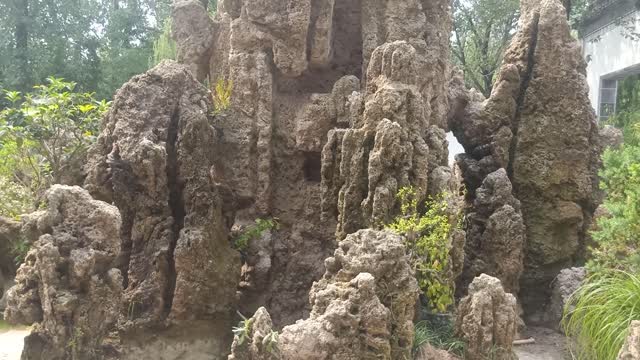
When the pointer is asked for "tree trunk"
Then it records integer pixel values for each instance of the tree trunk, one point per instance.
(21, 53)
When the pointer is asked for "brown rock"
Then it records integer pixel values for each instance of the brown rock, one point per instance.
(155, 159)
(546, 140)
(487, 320)
(361, 309)
(67, 287)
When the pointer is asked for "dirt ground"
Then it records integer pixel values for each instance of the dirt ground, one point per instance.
(549, 345)
(11, 342)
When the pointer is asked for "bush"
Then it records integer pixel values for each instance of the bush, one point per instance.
(618, 233)
(428, 236)
(599, 313)
(44, 136)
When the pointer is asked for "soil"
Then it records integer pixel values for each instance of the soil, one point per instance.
(549, 345)
(11, 342)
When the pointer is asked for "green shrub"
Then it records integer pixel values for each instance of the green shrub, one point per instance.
(599, 313)
(618, 234)
(428, 236)
(44, 136)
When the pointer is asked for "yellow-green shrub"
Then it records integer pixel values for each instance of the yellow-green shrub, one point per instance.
(428, 236)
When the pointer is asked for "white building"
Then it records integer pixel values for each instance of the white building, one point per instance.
(612, 48)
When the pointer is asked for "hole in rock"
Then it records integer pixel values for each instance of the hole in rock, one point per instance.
(312, 166)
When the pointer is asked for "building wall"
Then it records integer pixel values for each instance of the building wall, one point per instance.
(610, 54)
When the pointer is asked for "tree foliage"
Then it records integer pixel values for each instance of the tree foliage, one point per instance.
(44, 136)
(95, 43)
(482, 30)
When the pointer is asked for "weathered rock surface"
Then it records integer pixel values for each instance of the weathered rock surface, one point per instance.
(428, 352)
(362, 308)
(68, 286)
(496, 234)
(156, 161)
(304, 73)
(539, 126)
(631, 348)
(9, 233)
(487, 320)
(565, 284)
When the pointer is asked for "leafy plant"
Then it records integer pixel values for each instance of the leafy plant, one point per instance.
(19, 250)
(428, 240)
(44, 135)
(270, 342)
(599, 313)
(440, 336)
(242, 331)
(241, 241)
(222, 95)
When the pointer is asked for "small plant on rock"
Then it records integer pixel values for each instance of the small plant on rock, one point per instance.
(19, 250)
(241, 241)
(242, 331)
(428, 240)
(440, 336)
(221, 95)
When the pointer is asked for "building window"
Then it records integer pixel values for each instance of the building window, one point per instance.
(608, 96)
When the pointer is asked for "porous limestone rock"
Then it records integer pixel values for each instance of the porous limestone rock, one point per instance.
(565, 284)
(631, 348)
(495, 234)
(299, 79)
(156, 161)
(68, 287)
(384, 150)
(539, 126)
(487, 320)
(9, 236)
(362, 308)
(428, 352)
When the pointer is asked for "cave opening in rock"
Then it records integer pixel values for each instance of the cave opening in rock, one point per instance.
(312, 166)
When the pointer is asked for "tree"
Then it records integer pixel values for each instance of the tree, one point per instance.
(44, 136)
(482, 30)
(97, 44)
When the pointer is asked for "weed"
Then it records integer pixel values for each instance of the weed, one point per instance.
(222, 95)
(241, 241)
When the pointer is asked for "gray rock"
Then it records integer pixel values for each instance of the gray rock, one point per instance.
(631, 348)
(565, 284)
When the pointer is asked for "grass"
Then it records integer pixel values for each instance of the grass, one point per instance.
(439, 335)
(599, 313)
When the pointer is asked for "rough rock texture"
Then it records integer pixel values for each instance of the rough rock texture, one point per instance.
(631, 349)
(304, 73)
(156, 161)
(68, 286)
(428, 352)
(385, 149)
(565, 284)
(539, 126)
(496, 234)
(9, 233)
(362, 308)
(487, 320)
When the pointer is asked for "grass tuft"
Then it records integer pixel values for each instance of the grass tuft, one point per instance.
(599, 313)
(439, 335)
